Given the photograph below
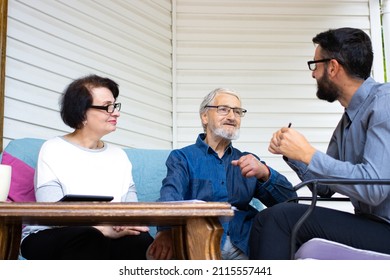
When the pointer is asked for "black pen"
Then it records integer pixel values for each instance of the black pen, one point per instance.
(284, 157)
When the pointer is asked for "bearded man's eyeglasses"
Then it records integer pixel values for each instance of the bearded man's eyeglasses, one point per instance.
(312, 64)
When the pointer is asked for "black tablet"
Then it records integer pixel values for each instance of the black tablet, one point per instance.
(80, 197)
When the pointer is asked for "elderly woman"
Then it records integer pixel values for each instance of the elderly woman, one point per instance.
(81, 163)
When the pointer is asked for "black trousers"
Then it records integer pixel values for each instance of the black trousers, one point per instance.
(271, 231)
(83, 243)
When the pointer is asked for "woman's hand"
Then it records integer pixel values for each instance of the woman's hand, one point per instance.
(120, 231)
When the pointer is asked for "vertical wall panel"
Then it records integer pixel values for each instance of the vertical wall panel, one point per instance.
(50, 43)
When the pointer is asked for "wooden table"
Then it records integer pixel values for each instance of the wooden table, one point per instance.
(197, 231)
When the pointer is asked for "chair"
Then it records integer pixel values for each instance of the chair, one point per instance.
(318, 248)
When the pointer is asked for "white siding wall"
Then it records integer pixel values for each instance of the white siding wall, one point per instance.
(260, 49)
(51, 42)
(166, 58)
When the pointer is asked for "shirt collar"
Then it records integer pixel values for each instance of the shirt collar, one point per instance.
(359, 97)
(206, 148)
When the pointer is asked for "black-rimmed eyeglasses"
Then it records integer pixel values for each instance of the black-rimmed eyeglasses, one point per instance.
(312, 64)
(109, 108)
(224, 110)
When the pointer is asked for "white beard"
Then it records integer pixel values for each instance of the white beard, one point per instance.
(227, 135)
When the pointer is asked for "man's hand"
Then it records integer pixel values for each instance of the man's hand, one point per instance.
(292, 144)
(162, 246)
(250, 166)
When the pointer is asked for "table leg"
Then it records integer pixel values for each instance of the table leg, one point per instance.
(203, 238)
(179, 245)
(10, 236)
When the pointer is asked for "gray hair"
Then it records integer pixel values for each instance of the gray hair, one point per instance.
(209, 98)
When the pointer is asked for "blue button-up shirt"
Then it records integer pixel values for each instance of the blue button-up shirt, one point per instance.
(197, 172)
(359, 149)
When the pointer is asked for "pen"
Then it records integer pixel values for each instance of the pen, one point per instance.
(284, 157)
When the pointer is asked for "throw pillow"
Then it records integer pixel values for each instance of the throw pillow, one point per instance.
(22, 179)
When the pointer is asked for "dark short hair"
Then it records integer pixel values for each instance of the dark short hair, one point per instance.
(77, 98)
(351, 47)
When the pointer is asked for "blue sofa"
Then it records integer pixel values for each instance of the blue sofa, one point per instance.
(148, 165)
(149, 169)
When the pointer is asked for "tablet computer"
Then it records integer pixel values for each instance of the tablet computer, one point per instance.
(81, 197)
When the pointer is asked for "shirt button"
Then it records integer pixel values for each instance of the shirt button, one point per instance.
(222, 183)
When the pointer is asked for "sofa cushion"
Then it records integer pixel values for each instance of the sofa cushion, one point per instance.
(25, 149)
(22, 179)
(148, 171)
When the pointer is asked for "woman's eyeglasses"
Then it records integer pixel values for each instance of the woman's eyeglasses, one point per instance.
(109, 108)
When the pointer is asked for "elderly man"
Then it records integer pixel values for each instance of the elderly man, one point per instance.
(213, 170)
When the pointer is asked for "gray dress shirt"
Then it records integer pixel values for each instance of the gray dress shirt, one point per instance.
(358, 149)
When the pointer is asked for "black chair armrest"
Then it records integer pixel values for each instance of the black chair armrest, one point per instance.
(310, 198)
(314, 198)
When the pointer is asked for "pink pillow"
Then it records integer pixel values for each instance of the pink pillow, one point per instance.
(22, 179)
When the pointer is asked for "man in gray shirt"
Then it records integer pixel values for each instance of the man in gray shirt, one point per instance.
(358, 149)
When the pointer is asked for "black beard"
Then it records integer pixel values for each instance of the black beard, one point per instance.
(326, 90)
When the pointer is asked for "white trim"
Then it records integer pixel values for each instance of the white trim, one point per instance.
(386, 35)
(376, 38)
(174, 76)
